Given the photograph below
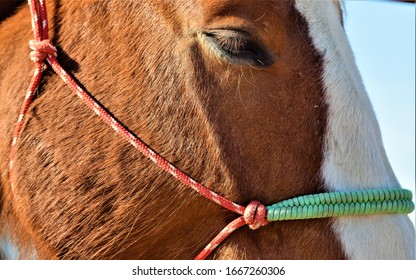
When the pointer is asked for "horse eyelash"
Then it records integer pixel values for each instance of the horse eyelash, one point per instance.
(239, 49)
(234, 45)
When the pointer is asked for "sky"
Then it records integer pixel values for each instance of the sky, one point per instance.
(382, 36)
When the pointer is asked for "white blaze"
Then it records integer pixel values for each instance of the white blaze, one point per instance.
(354, 156)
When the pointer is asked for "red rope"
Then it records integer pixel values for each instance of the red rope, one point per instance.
(254, 215)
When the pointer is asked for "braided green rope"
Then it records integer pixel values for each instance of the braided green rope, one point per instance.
(333, 204)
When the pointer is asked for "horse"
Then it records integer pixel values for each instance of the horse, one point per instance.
(255, 100)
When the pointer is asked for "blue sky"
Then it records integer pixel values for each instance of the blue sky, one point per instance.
(382, 36)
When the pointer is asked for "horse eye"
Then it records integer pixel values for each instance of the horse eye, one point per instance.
(238, 47)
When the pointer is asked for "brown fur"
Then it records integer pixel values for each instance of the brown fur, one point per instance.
(247, 133)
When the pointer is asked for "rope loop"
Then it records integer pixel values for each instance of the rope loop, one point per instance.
(41, 49)
(255, 215)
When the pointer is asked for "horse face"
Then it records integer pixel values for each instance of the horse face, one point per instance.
(251, 77)
(261, 91)
(231, 92)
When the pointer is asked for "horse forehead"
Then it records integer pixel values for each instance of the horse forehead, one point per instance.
(246, 9)
(245, 12)
(218, 6)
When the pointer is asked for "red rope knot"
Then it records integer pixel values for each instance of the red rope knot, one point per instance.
(41, 49)
(255, 215)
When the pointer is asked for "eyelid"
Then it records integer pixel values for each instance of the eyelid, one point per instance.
(235, 42)
(230, 31)
(255, 54)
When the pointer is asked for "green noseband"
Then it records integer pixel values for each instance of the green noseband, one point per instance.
(334, 204)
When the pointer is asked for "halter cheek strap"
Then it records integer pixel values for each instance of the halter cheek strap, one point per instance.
(255, 214)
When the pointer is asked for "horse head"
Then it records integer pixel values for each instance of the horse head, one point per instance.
(255, 100)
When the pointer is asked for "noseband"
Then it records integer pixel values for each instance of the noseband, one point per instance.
(255, 214)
